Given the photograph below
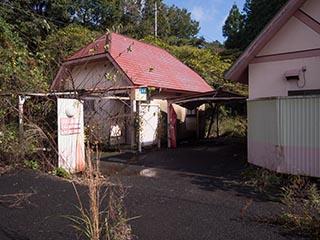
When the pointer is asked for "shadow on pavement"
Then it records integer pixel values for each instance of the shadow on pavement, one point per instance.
(211, 165)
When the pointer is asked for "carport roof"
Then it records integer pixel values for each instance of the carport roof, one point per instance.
(196, 100)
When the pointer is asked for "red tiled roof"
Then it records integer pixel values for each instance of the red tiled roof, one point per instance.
(145, 64)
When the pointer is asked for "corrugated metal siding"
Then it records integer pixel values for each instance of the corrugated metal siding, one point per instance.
(300, 119)
(284, 134)
(263, 120)
(262, 132)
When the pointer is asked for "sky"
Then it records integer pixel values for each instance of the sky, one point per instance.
(211, 14)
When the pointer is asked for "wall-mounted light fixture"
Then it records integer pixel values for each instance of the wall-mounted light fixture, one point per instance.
(293, 74)
(296, 74)
(70, 111)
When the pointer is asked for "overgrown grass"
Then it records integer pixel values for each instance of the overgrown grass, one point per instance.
(230, 126)
(39, 149)
(302, 200)
(300, 196)
(267, 183)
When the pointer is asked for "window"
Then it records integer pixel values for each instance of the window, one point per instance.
(304, 92)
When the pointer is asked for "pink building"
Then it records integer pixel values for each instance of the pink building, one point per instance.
(282, 68)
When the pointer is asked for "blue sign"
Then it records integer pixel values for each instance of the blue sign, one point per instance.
(143, 90)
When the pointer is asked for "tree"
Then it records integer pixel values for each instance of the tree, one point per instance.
(19, 69)
(35, 19)
(61, 44)
(181, 24)
(20, 72)
(232, 28)
(241, 30)
(130, 19)
(257, 15)
(97, 14)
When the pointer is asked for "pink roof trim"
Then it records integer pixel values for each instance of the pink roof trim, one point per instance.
(239, 70)
(145, 64)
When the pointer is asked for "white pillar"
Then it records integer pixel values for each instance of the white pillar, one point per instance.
(21, 129)
(132, 129)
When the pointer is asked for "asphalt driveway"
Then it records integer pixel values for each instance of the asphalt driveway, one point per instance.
(193, 192)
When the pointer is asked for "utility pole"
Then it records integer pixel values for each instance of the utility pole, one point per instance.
(155, 19)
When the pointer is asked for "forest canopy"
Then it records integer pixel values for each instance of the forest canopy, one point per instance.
(241, 28)
(37, 35)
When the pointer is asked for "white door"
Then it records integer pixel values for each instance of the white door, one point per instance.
(149, 116)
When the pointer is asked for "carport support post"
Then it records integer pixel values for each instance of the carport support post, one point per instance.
(217, 106)
(168, 124)
(198, 124)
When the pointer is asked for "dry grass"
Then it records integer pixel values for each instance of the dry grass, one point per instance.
(5, 169)
(299, 195)
(302, 214)
(105, 218)
(15, 200)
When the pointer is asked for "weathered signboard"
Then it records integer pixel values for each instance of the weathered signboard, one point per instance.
(139, 94)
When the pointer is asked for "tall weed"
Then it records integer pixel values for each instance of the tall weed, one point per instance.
(105, 218)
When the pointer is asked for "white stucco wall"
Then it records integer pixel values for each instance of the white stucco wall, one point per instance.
(312, 8)
(180, 111)
(292, 37)
(268, 80)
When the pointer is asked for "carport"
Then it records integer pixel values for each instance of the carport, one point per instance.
(218, 97)
(190, 102)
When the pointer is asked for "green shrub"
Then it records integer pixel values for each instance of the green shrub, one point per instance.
(233, 126)
(61, 172)
(31, 164)
(230, 126)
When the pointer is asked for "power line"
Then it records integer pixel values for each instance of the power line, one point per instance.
(31, 14)
(155, 19)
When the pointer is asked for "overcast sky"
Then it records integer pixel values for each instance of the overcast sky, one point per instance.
(210, 13)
